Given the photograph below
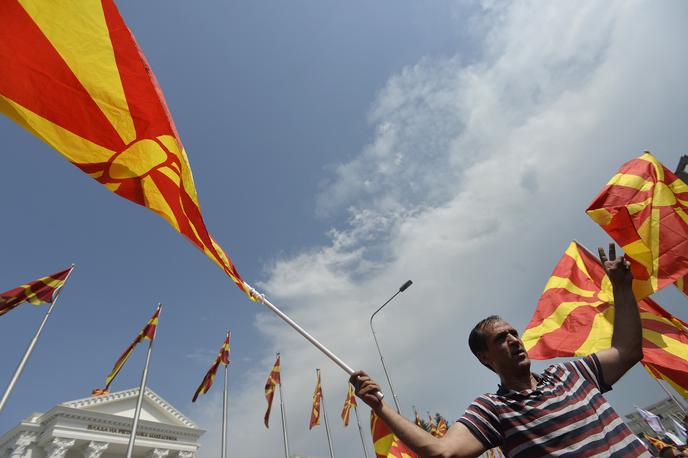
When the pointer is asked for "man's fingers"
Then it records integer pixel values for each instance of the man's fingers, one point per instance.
(612, 252)
(603, 256)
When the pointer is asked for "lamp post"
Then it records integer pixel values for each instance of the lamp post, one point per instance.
(403, 288)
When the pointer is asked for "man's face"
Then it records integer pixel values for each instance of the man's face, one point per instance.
(505, 352)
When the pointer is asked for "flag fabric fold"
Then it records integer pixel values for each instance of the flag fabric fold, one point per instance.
(644, 208)
(348, 404)
(317, 400)
(385, 443)
(209, 378)
(575, 317)
(147, 333)
(652, 420)
(41, 291)
(274, 379)
(74, 76)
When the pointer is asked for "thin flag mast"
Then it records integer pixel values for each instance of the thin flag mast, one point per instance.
(283, 415)
(224, 409)
(139, 401)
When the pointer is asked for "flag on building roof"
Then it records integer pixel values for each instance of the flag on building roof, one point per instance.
(317, 400)
(222, 359)
(72, 74)
(147, 333)
(348, 404)
(274, 379)
(644, 208)
(680, 431)
(651, 419)
(41, 291)
(385, 443)
(575, 317)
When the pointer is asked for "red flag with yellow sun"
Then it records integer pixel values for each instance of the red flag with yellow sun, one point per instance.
(72, 74)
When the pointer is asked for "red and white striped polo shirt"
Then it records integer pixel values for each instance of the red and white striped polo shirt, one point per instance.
(565, 416)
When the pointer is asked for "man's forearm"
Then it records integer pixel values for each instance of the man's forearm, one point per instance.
(627, 336)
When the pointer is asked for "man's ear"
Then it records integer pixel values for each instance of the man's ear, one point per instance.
(484, 360)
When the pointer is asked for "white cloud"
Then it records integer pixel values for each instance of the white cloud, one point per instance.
(475, 182)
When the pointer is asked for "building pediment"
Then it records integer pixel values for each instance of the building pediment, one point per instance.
(123, 403)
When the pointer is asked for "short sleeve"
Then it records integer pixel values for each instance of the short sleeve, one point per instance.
(590, 368)
(481, 419)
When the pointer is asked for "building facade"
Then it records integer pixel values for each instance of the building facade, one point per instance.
(100, 427)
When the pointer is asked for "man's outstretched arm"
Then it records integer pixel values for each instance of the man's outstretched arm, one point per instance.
(459, 442)
(627, 344)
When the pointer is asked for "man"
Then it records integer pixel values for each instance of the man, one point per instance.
(560, 412)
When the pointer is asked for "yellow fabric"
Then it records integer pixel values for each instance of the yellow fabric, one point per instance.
(82, 31)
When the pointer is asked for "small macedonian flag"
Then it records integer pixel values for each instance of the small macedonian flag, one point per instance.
(147, 333)
(348, 404)
(36, 292)
(644, 208)
(222, 358)
(317, 400)
(441, 427)
(432, 425)
(72, 74)
(274, 379)
(575, 317)
(418, 421)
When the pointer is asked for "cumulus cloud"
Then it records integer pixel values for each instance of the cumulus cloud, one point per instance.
(475, 182)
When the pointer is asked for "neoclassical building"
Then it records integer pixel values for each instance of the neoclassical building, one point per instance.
(99, 427)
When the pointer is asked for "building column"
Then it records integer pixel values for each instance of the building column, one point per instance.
(24, 440)
(58, 447)
(95, 449)
(158, 453)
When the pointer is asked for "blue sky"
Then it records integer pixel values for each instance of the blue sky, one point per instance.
(338, 150)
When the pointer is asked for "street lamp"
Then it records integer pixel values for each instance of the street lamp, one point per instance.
(382, 359)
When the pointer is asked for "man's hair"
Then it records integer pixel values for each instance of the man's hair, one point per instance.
(477, 340)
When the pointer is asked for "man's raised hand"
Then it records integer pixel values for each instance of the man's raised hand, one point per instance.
(366, 389)
(618, 269)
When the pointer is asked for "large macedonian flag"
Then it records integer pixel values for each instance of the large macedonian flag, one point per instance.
(36, 292)
(72, 74)
(644, 208)
(575, 317)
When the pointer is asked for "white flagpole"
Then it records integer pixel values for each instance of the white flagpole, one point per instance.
(32, 344)
(360, 431)
(139, 401)
(224, 412)
(300, 330)
(324, 411)
(284, 417)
